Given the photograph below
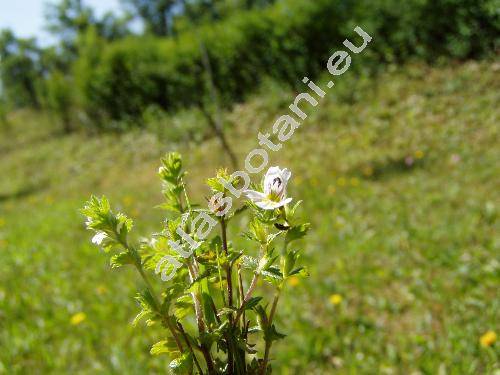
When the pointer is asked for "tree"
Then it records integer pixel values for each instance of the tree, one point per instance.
(19, 69)
(157, 15)
(110, 27)
(69, 19)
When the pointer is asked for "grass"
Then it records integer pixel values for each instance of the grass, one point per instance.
(399, 177)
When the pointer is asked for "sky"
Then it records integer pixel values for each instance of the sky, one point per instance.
(26, 17)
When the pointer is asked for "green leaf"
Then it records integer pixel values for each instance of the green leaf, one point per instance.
(147, 304)
(99, 215)
(208, 310)
(140, 316)
(272, 335)
(254, 329)
(301, 271)
(272, 236)
(226, 310)
(124, 225)
(146, 301)
(183, 306)
(215, 185)
(172, 293)
(203, 276)
(182, 365)
(234, 256)
(121, 259)
(249, 262)
(289, 261)
(252, 302)
(262, 319)
(169, 206)
(266, 262)
(296, 232)
(165, 346)
(257, 232)
(272, 273)
(291, 212)
(171, 168)
(208, 338)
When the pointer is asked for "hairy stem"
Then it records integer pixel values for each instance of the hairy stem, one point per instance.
(181, 329)
(199, 318)
(248, 295)
(228, 266)
(229, 281)
(196, 298)
(241, 297)
(251, 288)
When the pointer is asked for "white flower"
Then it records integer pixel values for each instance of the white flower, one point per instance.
(274, 194)
(89, 221)
(99, 238)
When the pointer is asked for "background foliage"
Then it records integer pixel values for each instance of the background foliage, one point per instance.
(113, 76)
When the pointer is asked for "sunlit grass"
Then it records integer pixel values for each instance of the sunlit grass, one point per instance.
(399, 179)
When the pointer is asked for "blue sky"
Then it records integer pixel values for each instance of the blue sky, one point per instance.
(26, 17)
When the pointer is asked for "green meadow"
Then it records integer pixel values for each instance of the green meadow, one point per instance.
(399, 175)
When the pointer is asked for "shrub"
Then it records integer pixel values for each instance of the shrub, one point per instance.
(285, 41)
(58, 99)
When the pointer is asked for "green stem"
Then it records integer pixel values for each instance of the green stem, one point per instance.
(149, 286)
(229, 281)
(241, 297)
(193, 272)
(165, 317)
(183, 333)
(250, 290)
(199, 319)
(228, 267)
(269, 343)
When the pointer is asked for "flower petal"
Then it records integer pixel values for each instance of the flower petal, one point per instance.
(254, 195)
(270, 205)
(266, 204)
(273, 171)
(271, 174)
(286, 174)
(99, 238)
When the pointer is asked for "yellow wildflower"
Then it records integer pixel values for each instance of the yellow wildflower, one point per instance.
(419, 154)
(368, 171)
(78, 318)
(2, 222)
(354, 181)
(101, 289)
(336, 299)
(488, 339)
(341, 181)
(293, 281)
(331, 189)
(128, 200)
